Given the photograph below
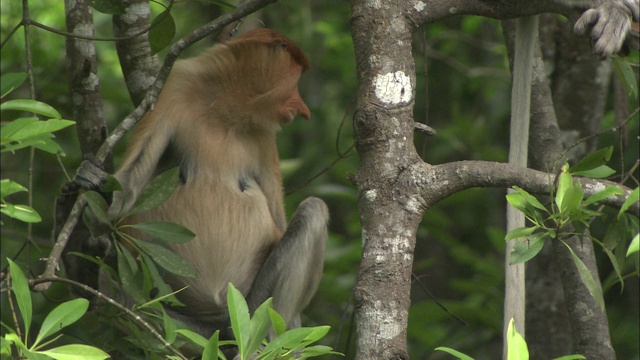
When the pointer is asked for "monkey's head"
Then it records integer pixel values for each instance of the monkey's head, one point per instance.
(269, 66)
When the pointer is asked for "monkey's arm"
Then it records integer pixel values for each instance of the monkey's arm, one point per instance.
(610, 23)
(150, 142)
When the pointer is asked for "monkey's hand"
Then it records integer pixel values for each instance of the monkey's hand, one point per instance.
(609, 23)
(90, 174)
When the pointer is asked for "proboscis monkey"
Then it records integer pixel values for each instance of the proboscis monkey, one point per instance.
(609, 22)
(216, 119)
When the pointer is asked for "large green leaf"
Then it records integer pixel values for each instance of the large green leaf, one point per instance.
(166, 231)
(240, 320)
(157, 192)
(31, 106)
(587, 279)
(163, 29)
(167, 259)
(76, 352)
(62, 316)
(11, 81)
(21, 292)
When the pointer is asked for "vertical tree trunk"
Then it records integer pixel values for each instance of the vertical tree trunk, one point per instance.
(389, 213)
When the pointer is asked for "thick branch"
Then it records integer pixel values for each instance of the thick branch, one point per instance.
(139, 65)
(496, 9)
(440, 181)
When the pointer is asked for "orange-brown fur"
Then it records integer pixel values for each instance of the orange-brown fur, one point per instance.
(219, 114)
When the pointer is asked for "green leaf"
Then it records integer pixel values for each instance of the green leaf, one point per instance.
(593, 160)
(211, 348)
(260, 323)
(570, 357)
(8, 187)
(633, 198)
(318, 350)
(455, 353)
(11, 81)
(296, 338)
(194, 337)
(127, 270)
(519, 233)
(166, 231)
(616, 267)
(62, 316)
(516, 345)
(76, 352)
(21, 212)
(167, 259)
(240, 321)
(98, 206)
(279, 326)
(572, 198)
(564, 182)
(627, 75)
(31, 106)
(526, 250)
(157, 192)
(600, 172)
(20, 288)
(111, 7)
(169, 325)
(587, 278)
(29, 127)
(11, 127)
(530, 199)
(633, 247)
(608, 192)
(163, 29)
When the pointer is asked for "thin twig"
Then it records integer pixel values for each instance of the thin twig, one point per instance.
(135, 317)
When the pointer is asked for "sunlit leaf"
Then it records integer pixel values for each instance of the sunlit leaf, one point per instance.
(455, 353)
(31, 106)
(516, 345)
(8, 187)
(76, 352)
